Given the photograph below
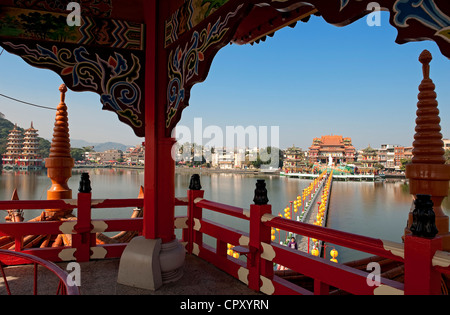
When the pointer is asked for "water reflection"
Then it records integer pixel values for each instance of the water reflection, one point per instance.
(377, 210)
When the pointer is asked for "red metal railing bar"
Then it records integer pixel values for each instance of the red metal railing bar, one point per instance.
(33, 228)
(116, 225)
(221, 232)
(225, 263)
(58, 272)
(116, 203)
(222, 208)
(349, 240)
(8, 291)
(37, 204)
(184, 201)
(35, 282)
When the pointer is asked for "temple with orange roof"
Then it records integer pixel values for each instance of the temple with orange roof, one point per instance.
(338, 148)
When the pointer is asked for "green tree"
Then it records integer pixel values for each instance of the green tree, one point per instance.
(447, 156)
(404, 163)
(77, 154)
(44, 148)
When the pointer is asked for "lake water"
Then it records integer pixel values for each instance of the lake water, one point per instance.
(378, 210)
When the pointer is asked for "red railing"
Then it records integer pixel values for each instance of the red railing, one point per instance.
(10, 258)
(83, 230)
(258, 270)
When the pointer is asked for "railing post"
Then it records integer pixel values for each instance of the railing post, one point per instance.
(82, 238)
(420, 276)
(194, 213)
(259, 233)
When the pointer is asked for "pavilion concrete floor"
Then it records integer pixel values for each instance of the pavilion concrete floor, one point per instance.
(100, 278)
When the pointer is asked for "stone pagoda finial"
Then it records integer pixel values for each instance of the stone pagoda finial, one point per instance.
(428, 174)
(61, 138)
(60, 163)
(428, 144)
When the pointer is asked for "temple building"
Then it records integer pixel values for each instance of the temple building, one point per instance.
(13, 148)
(22, 151)
(294, 160)
(334, 149)
(367, 160)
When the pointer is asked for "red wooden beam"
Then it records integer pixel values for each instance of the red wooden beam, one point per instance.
(222, 208)
(34, 228)
(222, 232)
(117, 203)
(37, 204)
(116, 225)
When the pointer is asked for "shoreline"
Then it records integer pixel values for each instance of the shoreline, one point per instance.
(206, 171)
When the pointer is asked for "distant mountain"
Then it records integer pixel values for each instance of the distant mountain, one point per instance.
(99, 147)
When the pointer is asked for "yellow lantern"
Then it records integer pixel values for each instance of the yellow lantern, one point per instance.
(334, 253)
(273, 238)
(315, 252)
(230, 252)
(236, 255)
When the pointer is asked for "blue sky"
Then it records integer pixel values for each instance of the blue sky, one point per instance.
(314, 80)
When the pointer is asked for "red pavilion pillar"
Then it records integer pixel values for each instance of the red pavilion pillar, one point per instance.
(157, 257)
(159, 202)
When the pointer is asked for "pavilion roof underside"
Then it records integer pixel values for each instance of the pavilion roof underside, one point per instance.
(264, 21)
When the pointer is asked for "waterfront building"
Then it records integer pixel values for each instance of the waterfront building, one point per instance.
(294, 160)
(225, 159)
(110, 156)
(92, 157)
(386, 156)
(135, 156)
(336, 148)
(447, 144)
(367, 159)
(239, 158)
(401, 154)
(22, 150)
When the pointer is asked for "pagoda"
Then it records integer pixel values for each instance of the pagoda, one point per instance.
(22, 150)
(13, 149)
(30, 159)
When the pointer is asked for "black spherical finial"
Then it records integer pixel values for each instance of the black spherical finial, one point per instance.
(195, 183)
(85, 184)
(424, 218)
(261, 198)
